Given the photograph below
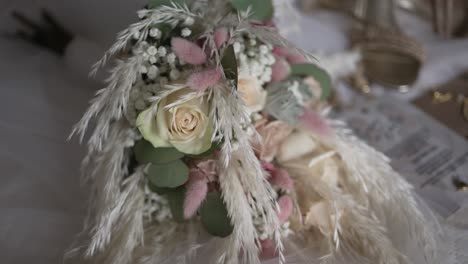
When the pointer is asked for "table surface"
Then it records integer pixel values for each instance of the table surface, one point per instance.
(42, 203)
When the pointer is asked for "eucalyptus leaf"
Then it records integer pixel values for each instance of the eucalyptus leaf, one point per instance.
(168, 175)
(229, 63)
(157, 3)
(176, 199)
(146, 153)
(262, 10)
(214, 216)
(158, 190)
(320, 75)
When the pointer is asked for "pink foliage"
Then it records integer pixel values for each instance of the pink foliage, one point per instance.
(188, 51)
(268, 249)
(286, 208)
(221, 36)
(291, 56)
(315, 123)
(197, 188)
(200, 81)
(280, 70)
(281, 178)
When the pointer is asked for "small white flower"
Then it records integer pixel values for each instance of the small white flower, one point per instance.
(155, 33)
(171, 58)
(271, 59)
(162, 52)
(143, 69)
(237, 47)
(251, 53)
(136, 34)
(141, 15)
(153, 72)
(263, 49)
(189, 21)
(252, 42)
(153, 59)
(286, 225)
(152, 50)
(186, 32)
(242, 57)
(174, 74)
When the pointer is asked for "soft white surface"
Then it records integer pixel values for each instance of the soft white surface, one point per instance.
(41, 202)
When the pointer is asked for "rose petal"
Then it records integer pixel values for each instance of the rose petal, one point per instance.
(280, 70)
(285, 204)
(197, 188)
(281, 178)
(200, 81)
(221, 36)
(315, 123)
(268, 249)
(188, 51)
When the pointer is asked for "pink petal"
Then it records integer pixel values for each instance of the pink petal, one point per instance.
(221, 36)
(197, 188)
(286, 208)
(200, 81)
(281, 178)
(291, 56)
(280, 70)
(268, 166)
(281, 51)
(268, 249)
(188, 51)
(315, 123)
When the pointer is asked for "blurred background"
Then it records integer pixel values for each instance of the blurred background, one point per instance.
(400, 71)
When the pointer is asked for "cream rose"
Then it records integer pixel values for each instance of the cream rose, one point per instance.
(185, 126)
(252, 92)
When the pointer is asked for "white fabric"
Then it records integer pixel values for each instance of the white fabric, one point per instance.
(41, 202)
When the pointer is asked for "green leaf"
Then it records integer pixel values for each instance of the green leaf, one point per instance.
(176, 198)
(214, 216)
(146, 153)
(320, 75)
(229, 63)
(169, 175)
(157, 3)
(262, 10)
(158, 190)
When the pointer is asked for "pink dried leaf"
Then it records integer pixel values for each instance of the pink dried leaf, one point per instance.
(315, 123)
(281, 179)
(188, 51)
(280, 70)
(197, 188)
(221, 36)
(291, 56)
(200, 81)
(269, 250)
(286, 206)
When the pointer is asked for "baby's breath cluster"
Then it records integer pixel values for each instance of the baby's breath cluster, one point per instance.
(255, 58)
(161, 65)
(156, 208)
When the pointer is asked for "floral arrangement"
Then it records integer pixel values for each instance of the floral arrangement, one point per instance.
(212, 135)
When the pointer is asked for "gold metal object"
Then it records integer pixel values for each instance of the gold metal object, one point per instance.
(465, 109)
(460, 185)
(439, 97)
(389, 56)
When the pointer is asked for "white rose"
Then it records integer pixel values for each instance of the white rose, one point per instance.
(252, 92)
(185, 126)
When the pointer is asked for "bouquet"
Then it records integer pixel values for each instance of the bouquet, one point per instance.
(211, 144)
